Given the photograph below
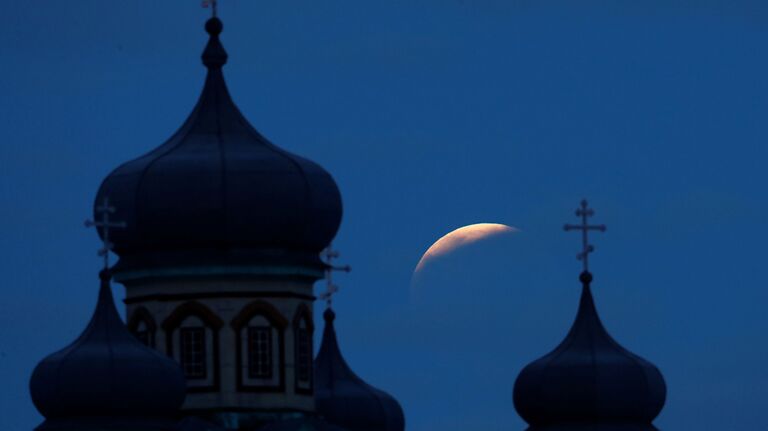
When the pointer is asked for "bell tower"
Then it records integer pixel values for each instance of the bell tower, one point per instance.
(219, 253)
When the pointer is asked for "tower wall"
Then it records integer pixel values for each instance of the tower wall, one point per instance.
(233, 319)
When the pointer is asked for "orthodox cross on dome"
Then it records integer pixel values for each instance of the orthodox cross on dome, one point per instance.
(584, 212)
(212, 4)
(104, 210)
(329, 254)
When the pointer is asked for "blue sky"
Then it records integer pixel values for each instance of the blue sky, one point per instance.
(430, 115)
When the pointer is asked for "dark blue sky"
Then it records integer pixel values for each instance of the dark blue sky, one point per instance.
(430, 115)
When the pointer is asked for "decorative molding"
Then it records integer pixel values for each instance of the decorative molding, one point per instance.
(192, 308)
(218, 271)
(216, 294)
(262, 308)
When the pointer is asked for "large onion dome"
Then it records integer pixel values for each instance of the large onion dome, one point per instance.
(589, 382)
(106, 374)
(219, 194)
(343, 398)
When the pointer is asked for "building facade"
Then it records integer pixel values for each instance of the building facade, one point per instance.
(219, 234)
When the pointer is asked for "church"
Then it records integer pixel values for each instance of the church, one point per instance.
(221, 236)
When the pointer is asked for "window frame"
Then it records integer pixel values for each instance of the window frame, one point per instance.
(303, 355)
(278, 324)
(198, 336)
(303, 315)
(252, 355)
(210, 322)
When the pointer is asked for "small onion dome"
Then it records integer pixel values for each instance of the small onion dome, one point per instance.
(346, 400)
(107, 372)
(589, 381)
(218, 193)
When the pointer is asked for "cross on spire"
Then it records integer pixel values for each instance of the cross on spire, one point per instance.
(329, 254)
(584, 212)
(104, 210)
(213, 5)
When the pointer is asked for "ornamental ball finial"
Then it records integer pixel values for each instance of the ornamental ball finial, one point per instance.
(214, 26)
(585, 277)
(105, 274)
(329, 315)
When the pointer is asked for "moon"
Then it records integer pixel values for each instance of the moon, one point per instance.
(460, 237)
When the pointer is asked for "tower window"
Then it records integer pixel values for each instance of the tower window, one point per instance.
(259, 352)
(192, 339)
(302, 350)
(193, 355)
(303, 354)
(142, 326)
(143, 334)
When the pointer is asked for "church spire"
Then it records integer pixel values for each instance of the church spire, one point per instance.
(106, 371)
(589, 379)
(219, 204)
(343, 398)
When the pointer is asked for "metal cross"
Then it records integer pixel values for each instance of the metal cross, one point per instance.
(213, 4)
(329, 254)
(105, 224)
(584, 212)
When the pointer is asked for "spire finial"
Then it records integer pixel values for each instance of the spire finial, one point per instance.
(213, 5)
(104, 210)
(214, 55)
(329, 254)
(584, 212)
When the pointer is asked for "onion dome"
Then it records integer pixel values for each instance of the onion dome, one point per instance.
(218, 194)
(589, 381)
(106, 373)
(343, 398)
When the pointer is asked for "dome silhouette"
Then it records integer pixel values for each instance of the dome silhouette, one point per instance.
(589, 380)
(106, 371)
(219, 193)
(343, 398)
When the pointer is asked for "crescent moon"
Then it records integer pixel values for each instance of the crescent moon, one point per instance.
(462, 236)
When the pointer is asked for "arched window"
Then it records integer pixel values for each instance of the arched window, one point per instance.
(260, 351)
(192, 338)
(142, 326)
(303, 330)
(260, 357)
(193, 347)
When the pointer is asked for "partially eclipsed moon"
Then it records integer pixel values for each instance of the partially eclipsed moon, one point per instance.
(462, 236)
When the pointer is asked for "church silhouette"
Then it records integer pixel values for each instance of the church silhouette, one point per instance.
(219, 235)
